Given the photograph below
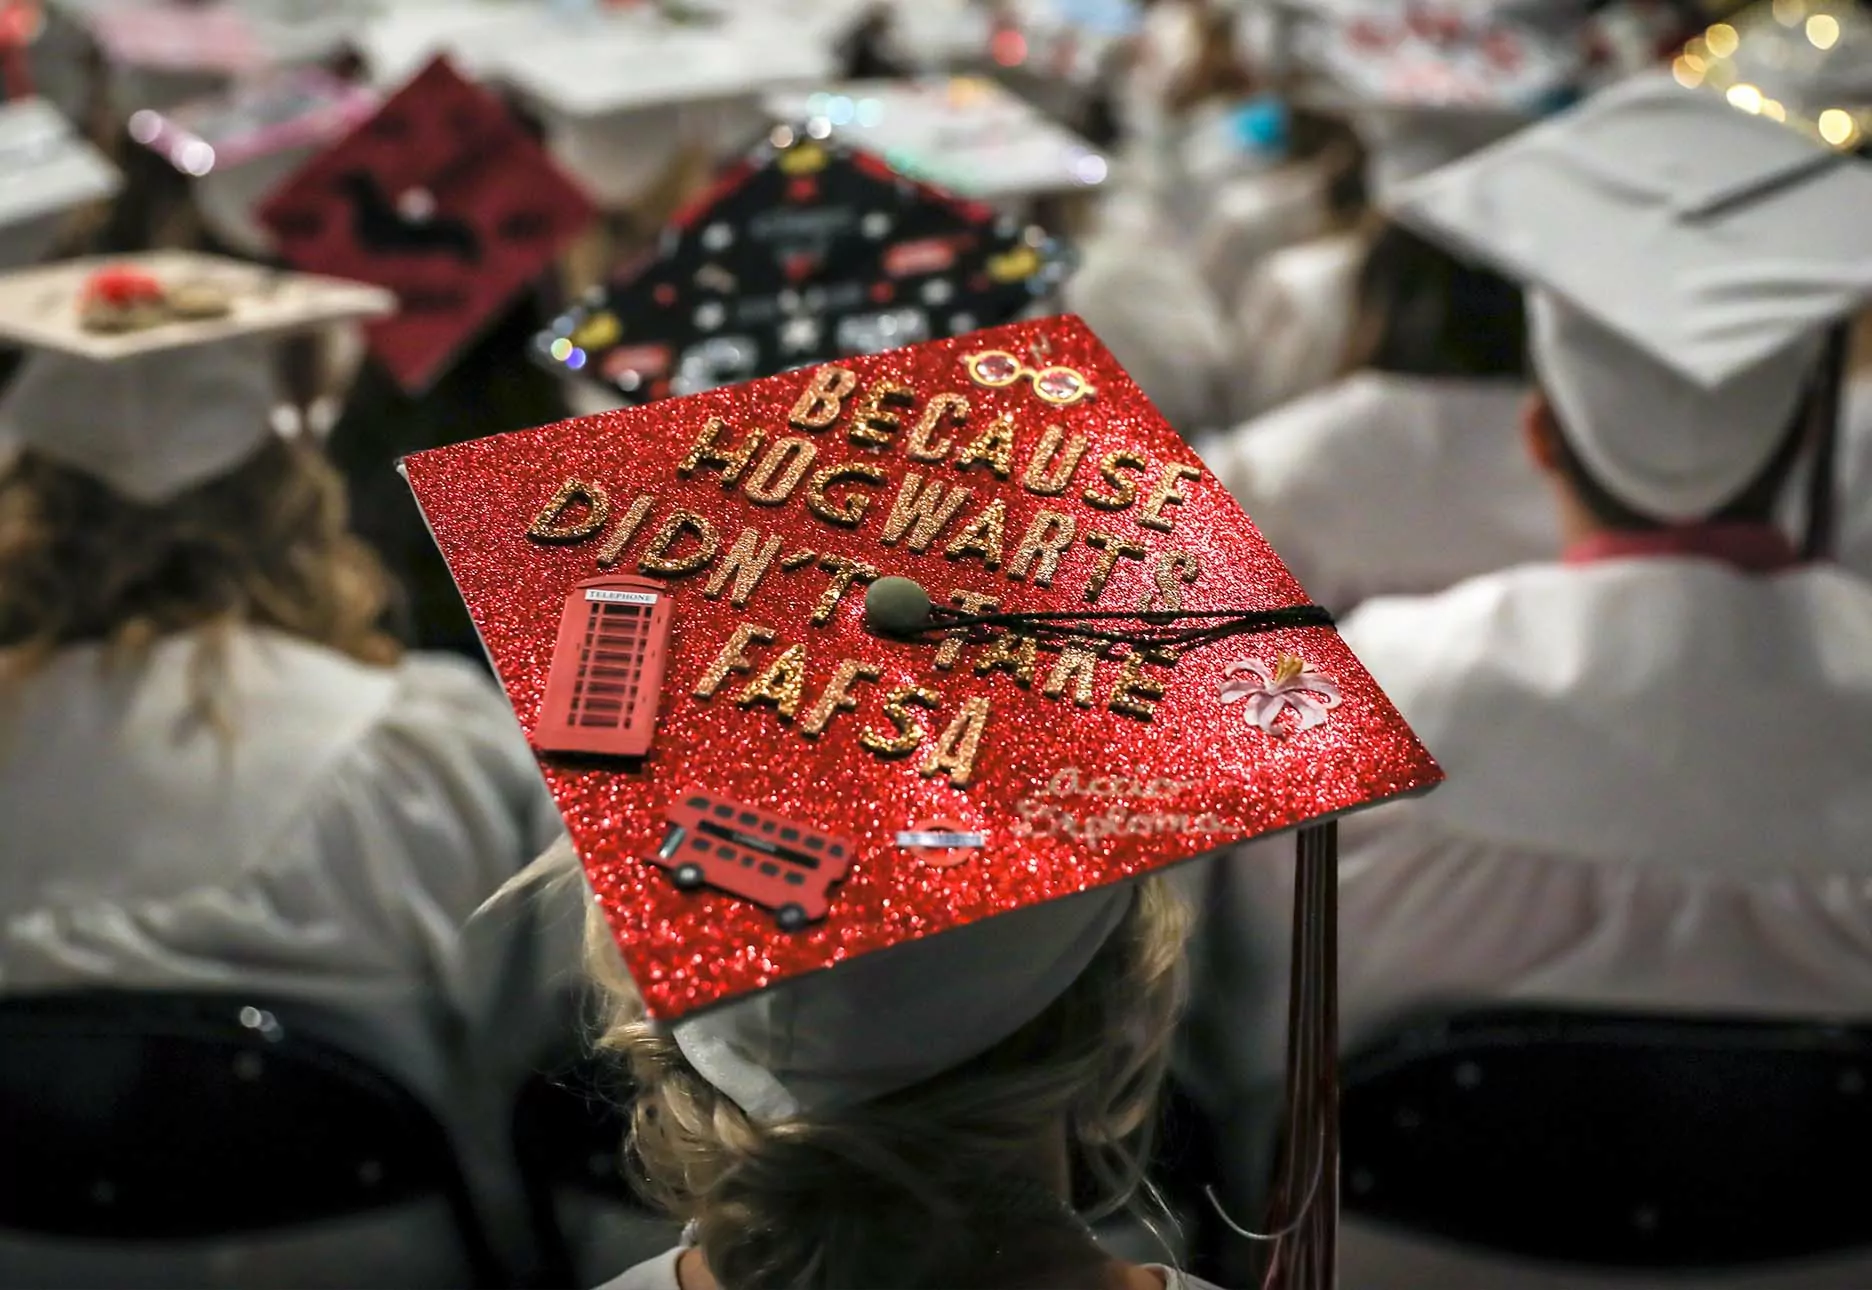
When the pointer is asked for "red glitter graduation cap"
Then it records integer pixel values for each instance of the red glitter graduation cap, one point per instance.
(706, 561)
(805, 250)
(442, 197)
(773, 756)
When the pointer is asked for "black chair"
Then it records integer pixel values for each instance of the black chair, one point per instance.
(1615, 1141)
(568, 1129)
(144, 1122)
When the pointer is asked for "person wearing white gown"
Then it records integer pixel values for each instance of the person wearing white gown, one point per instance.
(1237, 176)
(216, 772)
(1417, 104)
(1405, 482)
(1658, 747)
(905, 1118)
(1855, 528)
(1406, 475)
(1138, 284)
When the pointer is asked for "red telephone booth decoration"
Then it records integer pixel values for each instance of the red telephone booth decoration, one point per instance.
(607, 669)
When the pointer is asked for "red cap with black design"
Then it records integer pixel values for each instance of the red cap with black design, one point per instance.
(444, 198)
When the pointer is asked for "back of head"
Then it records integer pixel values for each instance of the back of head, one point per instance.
(263, 542)
(1422, 312)
(957, 1179)
(1739, 442)
(1685, 264)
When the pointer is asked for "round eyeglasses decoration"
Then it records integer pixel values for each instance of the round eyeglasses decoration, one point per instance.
(1060, 386)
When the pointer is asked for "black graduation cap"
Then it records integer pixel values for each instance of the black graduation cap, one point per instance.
(804, 251)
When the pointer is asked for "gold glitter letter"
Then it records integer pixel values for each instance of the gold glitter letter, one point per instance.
(1046, 540)
(954, 753)
(626, 530)
(837, 695)
(1167, 491)
(707, 451)
(1124, 490)
(1012, 653)
(746, 563)
(844, 572)
(551, 524)
(1111, 549)
(921, 446)
(1135, 695)
(1049, 470)
(788, 459)
(1075, 667)
(950, 651)
(853, 509)
(820, 403)
(922, 512)
(1168, 568)
(733, 658)
(984, 536)
(657, 558)
(909, 731)
(872, 423)
(994, 446)
(783, 684)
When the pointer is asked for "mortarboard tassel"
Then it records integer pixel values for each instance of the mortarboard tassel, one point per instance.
(901, 607)
(1825, 408)
(1306, 1192)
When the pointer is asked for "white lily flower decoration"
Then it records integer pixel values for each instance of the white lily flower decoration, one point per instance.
(1290, 685)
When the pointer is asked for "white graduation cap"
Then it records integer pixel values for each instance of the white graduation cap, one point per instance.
(151, 372)
(623, 93)
(1427, 85)
(403, 38)
(160, 52)
(963, 133)
(238, 146)
(1684, 261)
(46, 170)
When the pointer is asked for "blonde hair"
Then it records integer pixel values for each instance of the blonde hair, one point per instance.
(914, 1189)
(266, 544)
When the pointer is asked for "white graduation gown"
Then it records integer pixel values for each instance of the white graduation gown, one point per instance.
(1657, 800)
(328, 850)
(1148, 303)
(1855, 479)
(1381, 484)
(1249, 216)
(1293, 320)
(330, 846)
(660, 1274)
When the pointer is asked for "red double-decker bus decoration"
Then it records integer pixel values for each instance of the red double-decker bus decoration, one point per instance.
(607, 669)
(714, 841)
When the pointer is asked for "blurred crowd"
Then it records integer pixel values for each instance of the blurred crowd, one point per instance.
(1595, 516)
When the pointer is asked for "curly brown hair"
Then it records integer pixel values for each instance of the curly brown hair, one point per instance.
(909, 1191)
(266, 545)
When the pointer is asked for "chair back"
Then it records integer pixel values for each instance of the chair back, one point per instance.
(1613, 1140)
(154, 1121)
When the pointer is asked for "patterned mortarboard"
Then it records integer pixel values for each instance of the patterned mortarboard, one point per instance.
(805, 250)
(442, 197)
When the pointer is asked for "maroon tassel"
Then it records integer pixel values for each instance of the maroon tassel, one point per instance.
(1825, 411)
(1305, 1218)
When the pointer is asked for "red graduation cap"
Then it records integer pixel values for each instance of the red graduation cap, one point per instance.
(442, 197)
(835, 767)
(730, 543)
